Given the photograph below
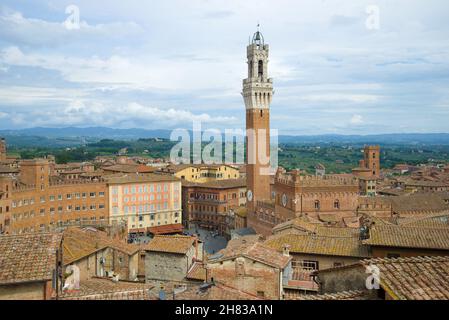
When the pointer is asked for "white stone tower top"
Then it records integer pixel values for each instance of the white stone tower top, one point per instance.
(257, 88)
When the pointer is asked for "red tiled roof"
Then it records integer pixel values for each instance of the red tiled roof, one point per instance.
(415, 278)
(29, 257)
(171, 244)
(106, 289)
(166, 229)
(197, 272)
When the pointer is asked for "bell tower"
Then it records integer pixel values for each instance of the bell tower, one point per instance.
(257, 94)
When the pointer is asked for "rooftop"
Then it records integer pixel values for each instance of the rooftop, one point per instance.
(106, 289)
(171, 244)
(28, 257)
(415, 278)
(217, 184)
(82, 242)
(409, 237)
(321, 245)
(344, 295)
(253, 250)
(139, 178)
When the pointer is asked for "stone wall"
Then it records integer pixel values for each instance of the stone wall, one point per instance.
(165, 266)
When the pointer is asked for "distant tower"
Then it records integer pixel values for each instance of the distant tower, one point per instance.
(35, 172)
(2, 149)
(257, 94)
(372, 159)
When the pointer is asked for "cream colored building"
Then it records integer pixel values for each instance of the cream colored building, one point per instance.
(203, 173)
(144, 201)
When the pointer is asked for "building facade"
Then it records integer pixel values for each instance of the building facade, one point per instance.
(40, 203)
(327, 198)
(144, 201)
(209, 205)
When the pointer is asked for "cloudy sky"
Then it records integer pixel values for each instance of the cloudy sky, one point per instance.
(161, 64)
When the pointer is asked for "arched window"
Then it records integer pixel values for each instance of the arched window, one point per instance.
(336, 204)
(260, 68)
(317, 205)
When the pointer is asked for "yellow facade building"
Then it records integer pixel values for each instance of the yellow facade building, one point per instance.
(145, 201)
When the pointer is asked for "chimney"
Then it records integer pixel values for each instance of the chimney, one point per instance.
(196, 248)
(286, 250)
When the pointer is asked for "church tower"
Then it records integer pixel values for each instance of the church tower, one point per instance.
(257, 94)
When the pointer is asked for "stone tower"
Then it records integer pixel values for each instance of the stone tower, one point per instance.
(2, 149)
(372, 160)
(257, 94)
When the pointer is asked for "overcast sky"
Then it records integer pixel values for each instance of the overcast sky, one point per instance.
(162, 64)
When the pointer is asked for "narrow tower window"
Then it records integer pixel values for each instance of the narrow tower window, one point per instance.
(260, 68)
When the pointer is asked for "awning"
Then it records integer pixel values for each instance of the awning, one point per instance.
(166, 229)
(139, 230)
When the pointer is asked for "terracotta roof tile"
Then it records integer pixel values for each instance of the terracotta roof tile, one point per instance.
(416, 278)
(408, 237)
(252, 249)
(171, 244)
(29, 257)
(82, 242)
(106, 289)
(316, 244)
(197, 272)
(344, 295)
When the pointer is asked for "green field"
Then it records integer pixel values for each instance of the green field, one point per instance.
(337, 158)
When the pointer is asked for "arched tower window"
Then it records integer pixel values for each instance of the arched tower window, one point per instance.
(260, 68)
(317, 205)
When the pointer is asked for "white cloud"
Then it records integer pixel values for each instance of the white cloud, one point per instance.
(37, 32)
(356, 119)
(190, 56)
(79, 112)
(335, 97)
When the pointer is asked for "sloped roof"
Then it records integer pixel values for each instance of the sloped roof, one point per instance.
(217, 291)
(343, 295)
(419, 202)
(415, 278)
(82, 242)
(305, 226)
(316, 244)
(438, 220)
(197, 271)
(171, 244)
(408, 237)
(106, 289)
(253, 250)
(217, 184)
(139, 178)
(28, 257)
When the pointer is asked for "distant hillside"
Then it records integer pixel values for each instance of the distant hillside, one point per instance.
(91, 132)
(72, 136)
(394, 138)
